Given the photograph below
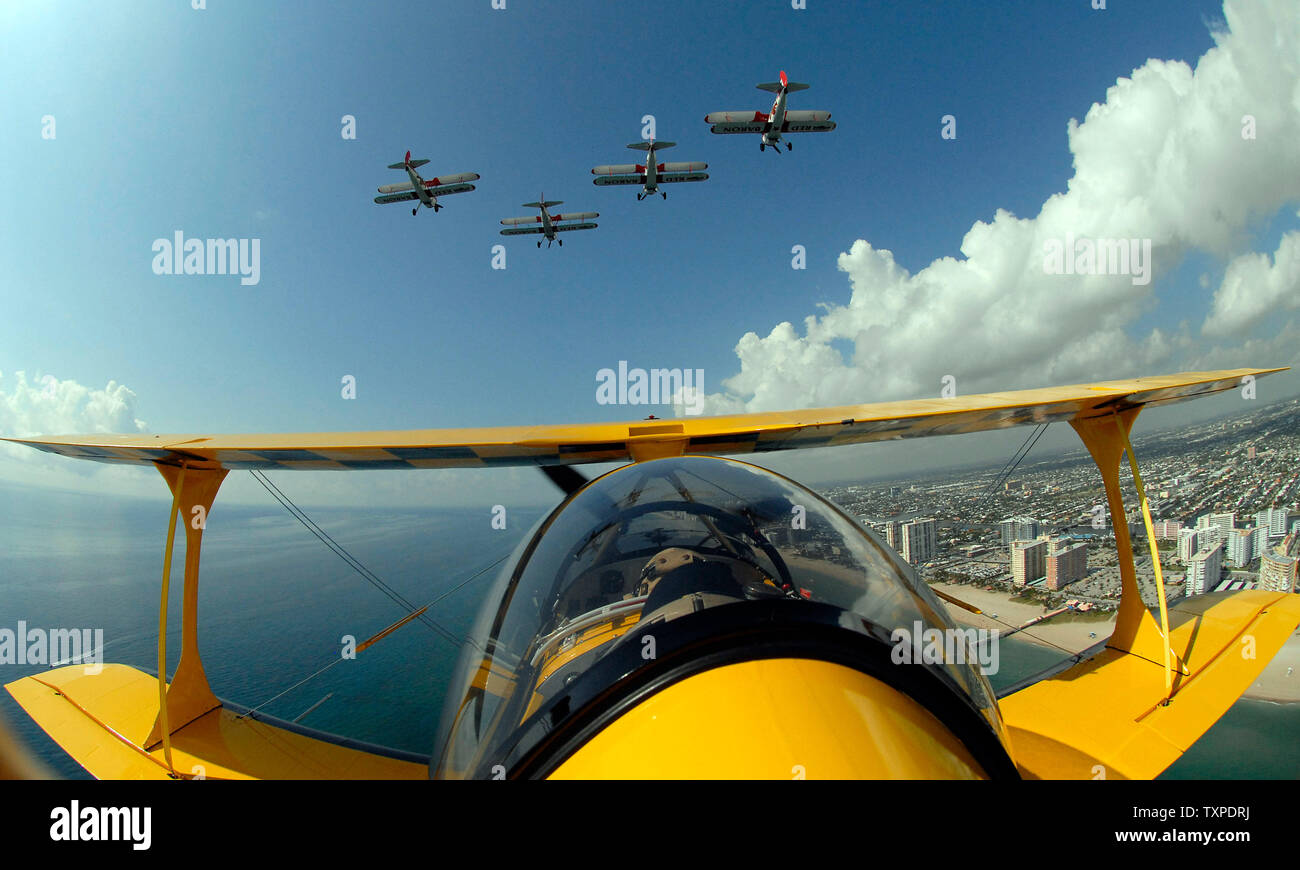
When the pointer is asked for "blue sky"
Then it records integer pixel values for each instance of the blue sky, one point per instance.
(225, 123)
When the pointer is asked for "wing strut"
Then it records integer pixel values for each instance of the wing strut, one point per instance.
(162, 623)
(1155, 555)
(188, 696)
(1135, 630)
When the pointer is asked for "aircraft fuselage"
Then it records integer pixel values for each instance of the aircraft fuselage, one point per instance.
(651, 173)
(775, 119)
(420, 190)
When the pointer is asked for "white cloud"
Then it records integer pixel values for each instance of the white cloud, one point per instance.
(49, 406)
(46, 405)
(1163, 158)
(1253, 287)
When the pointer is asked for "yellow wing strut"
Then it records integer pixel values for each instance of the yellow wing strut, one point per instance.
(1155, 555)
(162, 622)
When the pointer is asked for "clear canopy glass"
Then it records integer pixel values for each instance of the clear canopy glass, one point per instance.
(652, 543)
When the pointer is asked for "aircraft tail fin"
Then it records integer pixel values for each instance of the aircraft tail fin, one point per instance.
(408, 162)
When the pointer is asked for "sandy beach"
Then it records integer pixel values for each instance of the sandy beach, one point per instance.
(1279, 682)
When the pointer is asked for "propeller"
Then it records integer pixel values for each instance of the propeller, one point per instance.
(566, 477)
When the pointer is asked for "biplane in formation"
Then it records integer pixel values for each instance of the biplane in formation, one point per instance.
(427, 192)
(549, 224)
(651, 174)
(668, 619)
(777, 121)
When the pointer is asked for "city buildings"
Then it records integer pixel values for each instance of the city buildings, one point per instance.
(1273, 519)
(1168, 528)
(1241, 547)
(1019, 529)
(919, 540)
(893, 534)
(1204, 569)
(1028, 561)
(1277, 573)
(1066, 563)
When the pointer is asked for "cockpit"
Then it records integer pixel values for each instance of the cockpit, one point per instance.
(658, 569)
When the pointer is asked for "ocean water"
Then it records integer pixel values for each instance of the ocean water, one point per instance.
(275, 603)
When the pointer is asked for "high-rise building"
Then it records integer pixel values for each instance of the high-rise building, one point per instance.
(1188, 544)
(892, 534)
(1019, 529)
(1277, 573)
(1168, 528)
(1204, 569)
(1274, 520)
(919, 540)
(1250, 452)
(1241, 547)
(1208, 536)
(1224, 522)
(1067, 563)
(1028, 561)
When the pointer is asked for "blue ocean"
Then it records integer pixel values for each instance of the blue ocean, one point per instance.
(275, 604)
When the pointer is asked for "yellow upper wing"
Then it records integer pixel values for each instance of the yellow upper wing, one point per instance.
(645, 439)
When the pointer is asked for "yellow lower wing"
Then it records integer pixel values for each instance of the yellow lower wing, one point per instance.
(1103, 718)
(103, 720)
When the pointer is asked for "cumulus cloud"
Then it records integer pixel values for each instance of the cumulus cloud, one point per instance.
(47, 405)
(1254, 288)
(1167, 157)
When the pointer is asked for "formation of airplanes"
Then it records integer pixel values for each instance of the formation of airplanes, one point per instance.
(650, 175)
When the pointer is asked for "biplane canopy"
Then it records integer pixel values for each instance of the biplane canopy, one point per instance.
(628, 582)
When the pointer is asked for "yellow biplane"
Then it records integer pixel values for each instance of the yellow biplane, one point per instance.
(668, 619)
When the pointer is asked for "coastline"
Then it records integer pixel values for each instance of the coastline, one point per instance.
(1272, 684)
